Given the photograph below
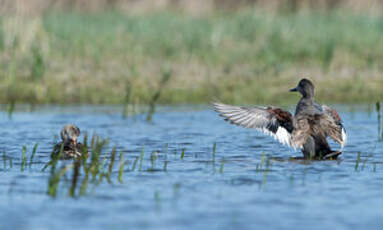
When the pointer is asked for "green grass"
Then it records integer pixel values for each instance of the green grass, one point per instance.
(250, 56)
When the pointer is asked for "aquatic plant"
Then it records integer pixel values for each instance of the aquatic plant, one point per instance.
(111, 163)
(11, 109)
(23, 158)
(121, 168)
(75, 176)
(222, 165)
(90, 170)
(4, 160)
(182, 154)
(135, 163)
(166, 74)
(153, 158)
(357, 162)
(380, 132)
(141, 159)
(213, 156)
(90, 166)
(55, 176)
(213, 151)
(128, 92)
(33, 154)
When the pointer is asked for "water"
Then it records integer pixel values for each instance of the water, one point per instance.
(198, 191)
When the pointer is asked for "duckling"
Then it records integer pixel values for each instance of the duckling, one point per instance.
(307, 130)
(72, 148)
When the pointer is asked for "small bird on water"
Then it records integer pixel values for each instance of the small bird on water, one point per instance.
(308, 129)
(71, 147)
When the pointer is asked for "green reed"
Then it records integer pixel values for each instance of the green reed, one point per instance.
(153, 160)
(121, 168)
(380, 132)
(84, 185)
(55, 176)
(11, 109)
(89, 169)
(23, 158)
(111, 163)
(85, 152)
(97, 149)
(128, 92)
(263, 156)
(357, 162)
(259, 168)
(222, 165)
(55, 179)
(4, 160)
(166, 74)
(141, 159)
(213, 151)
(34, 150)
(135, 164)
(213, 156)
(75, 177)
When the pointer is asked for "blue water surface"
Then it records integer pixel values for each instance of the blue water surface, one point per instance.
(249, 183)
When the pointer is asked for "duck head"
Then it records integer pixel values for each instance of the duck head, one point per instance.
(70, 133)
(305, 87)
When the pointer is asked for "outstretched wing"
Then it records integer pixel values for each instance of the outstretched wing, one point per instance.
(273, 121)
(335, 128)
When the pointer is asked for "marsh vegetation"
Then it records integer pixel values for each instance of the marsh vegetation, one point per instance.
(248, 55)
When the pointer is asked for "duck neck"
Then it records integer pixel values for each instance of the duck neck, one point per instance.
(303, 104)
(307, 100)
(308, 97)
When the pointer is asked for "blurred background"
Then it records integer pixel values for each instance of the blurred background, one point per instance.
(237, 51)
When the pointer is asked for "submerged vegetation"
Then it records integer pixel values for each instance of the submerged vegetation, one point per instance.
(379, 113)
(245, 56)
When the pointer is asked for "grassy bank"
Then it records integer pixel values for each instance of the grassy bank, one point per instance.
(249, 56)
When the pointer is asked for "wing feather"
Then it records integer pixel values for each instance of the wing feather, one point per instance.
(273, 121)
(336, 130)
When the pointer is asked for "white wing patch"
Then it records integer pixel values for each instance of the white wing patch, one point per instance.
(282, 135)
(344, 139)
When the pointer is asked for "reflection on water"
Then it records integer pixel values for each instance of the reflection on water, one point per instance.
(196, 172)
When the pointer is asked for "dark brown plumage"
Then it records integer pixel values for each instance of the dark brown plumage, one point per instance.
(71, 147)
(308, 129)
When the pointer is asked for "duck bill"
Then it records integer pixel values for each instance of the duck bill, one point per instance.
(293, 90)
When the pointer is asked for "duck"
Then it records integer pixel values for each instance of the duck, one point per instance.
(71, 147)
(308, 129)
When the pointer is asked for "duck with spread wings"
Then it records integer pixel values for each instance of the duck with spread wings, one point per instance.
(307, 129)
